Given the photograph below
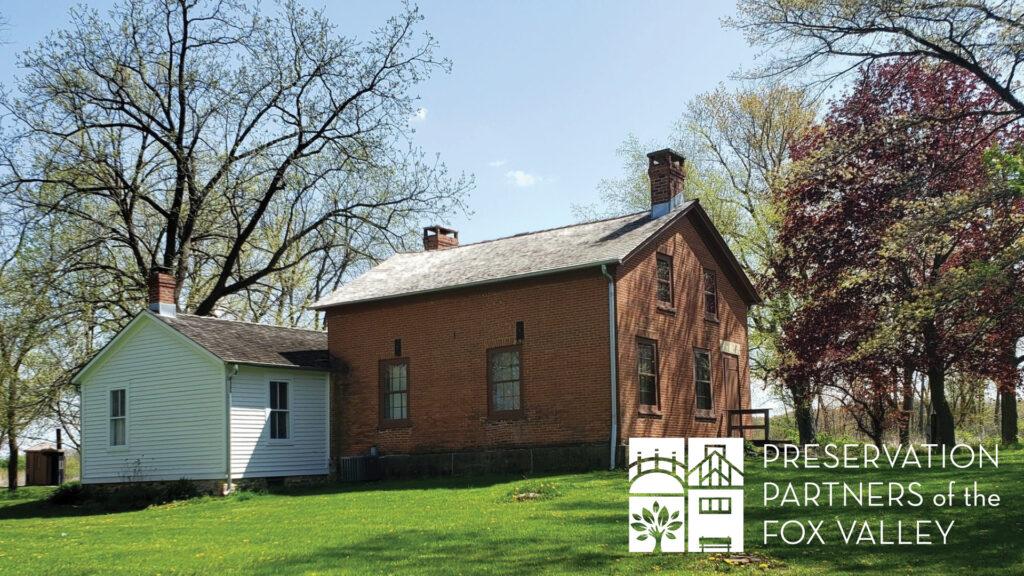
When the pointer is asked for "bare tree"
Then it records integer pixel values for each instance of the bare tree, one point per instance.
(225, 144)
(984, 37)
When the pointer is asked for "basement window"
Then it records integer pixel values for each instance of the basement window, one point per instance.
(279, 413)
(504, 375)
(664, 277)
(394, 392)
(647, 375)
(119, 417)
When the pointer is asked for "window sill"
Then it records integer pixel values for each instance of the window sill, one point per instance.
(665, 308)
(122, 448)
(649, 411)
(711, 319)
(281, 442)
(704, 415)
(505, 416)
(394, 424)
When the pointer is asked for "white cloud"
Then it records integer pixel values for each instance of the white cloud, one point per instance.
(420, 115)
(497, 163)
(521, 179)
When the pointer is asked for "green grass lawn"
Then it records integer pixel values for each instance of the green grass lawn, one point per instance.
(473, 526)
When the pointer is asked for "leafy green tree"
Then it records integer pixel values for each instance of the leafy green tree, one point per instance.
(26, 319)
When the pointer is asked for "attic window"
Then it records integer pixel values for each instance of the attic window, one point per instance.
(710, 295)
(664, 277)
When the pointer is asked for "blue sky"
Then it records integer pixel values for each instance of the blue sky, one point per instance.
(540, 95)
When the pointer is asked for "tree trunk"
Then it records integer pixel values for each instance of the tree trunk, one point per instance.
(944, 431)
(908, 404)
(1008, 416)
(943, 428)
(12, 435)
(802, 411)
(920, 410)
(12, 463)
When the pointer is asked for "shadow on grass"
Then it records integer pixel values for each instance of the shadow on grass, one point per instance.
(434, 483)
(423, 551)
(35, 504)
(43, 509)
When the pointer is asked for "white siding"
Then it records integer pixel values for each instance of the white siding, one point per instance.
(253, 453)
(175, 405)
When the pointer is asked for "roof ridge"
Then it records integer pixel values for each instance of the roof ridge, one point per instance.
(253, 323)
(532, 232)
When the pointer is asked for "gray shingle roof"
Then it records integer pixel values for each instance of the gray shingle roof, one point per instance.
(578, 246)
(248, 343)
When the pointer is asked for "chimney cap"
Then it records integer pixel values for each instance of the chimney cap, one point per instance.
(665, 154)
(440, 230)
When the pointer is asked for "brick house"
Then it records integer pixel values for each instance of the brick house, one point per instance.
(579, 337)
(540, 351)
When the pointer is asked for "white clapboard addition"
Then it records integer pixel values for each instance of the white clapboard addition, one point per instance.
(177, 421)
(253, 453)
(174, 408)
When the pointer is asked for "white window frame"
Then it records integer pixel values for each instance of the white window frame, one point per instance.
(288, 399)
(111, 418)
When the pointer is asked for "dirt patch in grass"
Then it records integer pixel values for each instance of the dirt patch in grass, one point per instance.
(533, 491)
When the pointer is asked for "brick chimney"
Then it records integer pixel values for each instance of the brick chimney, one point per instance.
(667, 172)
(440, 238)
(162, 288)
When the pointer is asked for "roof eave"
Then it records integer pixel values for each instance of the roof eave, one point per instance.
(752, 296)
(548, 272)
(272, 365)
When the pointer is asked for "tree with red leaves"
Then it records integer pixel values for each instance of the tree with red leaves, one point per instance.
(874, 239)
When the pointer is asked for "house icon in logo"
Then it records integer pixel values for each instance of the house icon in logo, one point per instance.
(686, 494)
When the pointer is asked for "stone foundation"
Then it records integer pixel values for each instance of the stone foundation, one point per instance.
(281, 482)
(210, 487)
(535, 460)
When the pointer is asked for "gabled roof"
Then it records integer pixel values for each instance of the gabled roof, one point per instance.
(249, 343)
(608, 241)
(231, 341)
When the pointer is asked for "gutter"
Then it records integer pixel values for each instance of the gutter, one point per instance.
(613, 365)
(230, 370)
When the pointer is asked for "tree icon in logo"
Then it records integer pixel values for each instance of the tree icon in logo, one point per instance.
(656, 522)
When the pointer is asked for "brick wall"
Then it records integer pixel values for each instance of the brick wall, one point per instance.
(677, 334)
(446, 335)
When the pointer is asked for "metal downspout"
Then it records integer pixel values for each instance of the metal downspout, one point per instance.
(613, 364)
(227, 425)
